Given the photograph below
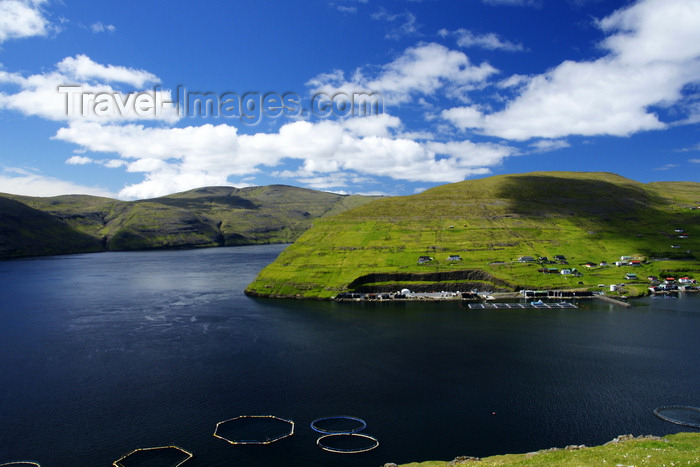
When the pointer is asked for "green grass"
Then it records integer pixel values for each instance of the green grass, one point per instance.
(682, 449)
(584, 216)
(204, 217)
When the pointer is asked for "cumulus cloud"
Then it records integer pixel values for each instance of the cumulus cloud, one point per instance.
(22, 18)
(323, 154)
(83, 68)
(177, 159)
(420, 70)
(489, 41)
(24, 182)
(546, 145)
(65, 92)
(79, 160)
(653, 52)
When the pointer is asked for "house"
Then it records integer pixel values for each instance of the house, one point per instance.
(560, 257)
(603, 264)
(675, 246)
(566, 272)
(454, 258)
(630, 276)
(548, 270)
(544, 259)
(684, 235)
(625, 258)
(686, 280)
(635, 262)
(652, 279)
(424, 259)
(526, 259)
(678, 230)
(621, 263)
(590, 265)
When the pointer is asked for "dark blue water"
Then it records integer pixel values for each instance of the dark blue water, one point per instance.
(104, 353)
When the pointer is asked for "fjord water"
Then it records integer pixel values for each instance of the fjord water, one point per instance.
(104, 353)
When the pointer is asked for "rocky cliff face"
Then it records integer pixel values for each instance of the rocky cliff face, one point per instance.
(448, 281)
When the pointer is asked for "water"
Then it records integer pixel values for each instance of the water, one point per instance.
(104, 353)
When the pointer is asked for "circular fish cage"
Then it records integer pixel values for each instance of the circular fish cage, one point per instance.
(254, 429)
(684, 415)
(338, 424)
(172, 454)
(347, 443)
(22, 463)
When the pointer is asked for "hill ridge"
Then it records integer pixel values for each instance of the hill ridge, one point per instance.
(202, 217)
(488, 224)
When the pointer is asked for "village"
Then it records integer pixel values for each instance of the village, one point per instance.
(655, 284)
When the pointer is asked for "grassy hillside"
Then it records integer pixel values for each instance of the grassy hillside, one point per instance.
(490, 223)
(204, 217)
(678, 449)
(25, 231)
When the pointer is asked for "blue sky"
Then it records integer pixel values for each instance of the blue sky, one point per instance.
(463, 90)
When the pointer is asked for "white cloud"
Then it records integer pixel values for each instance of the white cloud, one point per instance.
(83, 68)
(489, 41)
(694, 161)
(329, 153)
(420, 70)
(101, 27)
(79, 160)
(546, 145)
(405, 23)
(666, 167)
(23, 182)
(22, 18)
(347, 9)
(653, 52)
(39, 94)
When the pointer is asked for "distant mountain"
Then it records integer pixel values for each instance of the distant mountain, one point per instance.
(489, 234)
(204, 217)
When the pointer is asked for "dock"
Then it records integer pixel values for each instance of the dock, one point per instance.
(518, 306)
(614, 301)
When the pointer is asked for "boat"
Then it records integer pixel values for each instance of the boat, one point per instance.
(537, 303)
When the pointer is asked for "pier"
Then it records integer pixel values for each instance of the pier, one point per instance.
(614, 301)
(518, 306)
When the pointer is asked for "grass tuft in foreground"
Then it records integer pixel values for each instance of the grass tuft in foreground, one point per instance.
(682, 449)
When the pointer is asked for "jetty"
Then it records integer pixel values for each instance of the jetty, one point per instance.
(514, 306)
(614, 301)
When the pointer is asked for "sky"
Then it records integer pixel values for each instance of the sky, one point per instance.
(144, 99)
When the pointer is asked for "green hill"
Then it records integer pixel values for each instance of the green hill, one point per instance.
(204, 217)
(489, 224)
(626, 450)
